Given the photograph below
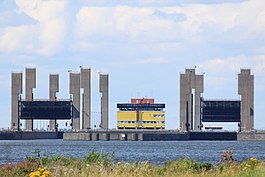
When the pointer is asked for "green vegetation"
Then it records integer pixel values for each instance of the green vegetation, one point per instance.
(100, 164)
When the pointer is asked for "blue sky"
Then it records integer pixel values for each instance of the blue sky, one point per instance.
(143, 44)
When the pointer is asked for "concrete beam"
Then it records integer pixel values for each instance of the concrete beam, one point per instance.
(16, 90)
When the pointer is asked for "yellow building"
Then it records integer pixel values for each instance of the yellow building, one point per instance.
(141, 114)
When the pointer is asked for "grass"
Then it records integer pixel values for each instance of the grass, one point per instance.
(100, 164)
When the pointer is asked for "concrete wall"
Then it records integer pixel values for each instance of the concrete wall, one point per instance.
(77, 136)
(251, 136)
(16, 89)
(30, 85)
(75, 92)
(104, 90)
(19, 135)
(54, 88)
(246, 90)
(86, 85)
(142, 135)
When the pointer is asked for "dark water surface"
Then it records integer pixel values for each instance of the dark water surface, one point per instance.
(154, 151)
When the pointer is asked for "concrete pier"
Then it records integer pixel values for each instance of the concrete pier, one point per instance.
(54, 88)
(30, 85)
(104, 90)
(246, 90)
(190, 84)
(75, 92)
(86, 85)
(16, 90)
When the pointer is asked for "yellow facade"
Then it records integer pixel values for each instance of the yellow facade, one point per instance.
(141, 119)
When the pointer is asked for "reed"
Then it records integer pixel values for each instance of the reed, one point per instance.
(102, 165)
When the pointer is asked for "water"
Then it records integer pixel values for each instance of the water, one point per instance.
(156, 152)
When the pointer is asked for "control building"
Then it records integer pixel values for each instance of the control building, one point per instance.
(141, 114)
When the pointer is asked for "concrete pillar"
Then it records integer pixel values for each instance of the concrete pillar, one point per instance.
(75, 92)
(86, 85)
(183, 102)
(54, 88)
(246, 90)
(95, 136)
(30, 85)
(16, 86)
(199, 82)
(252, 102)
(140, 137)
(104, 89)
(105, 136)
(189, 109)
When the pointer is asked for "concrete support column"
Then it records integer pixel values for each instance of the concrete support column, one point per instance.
(95, 137)
(16, 86)
(104, 90)
(106, 136)
(189, 101)
(199, 82)
(86, 85)
(246, 90)
(252, 102)
(30, 85)
(183, 102)
(54, 88)
(75, 92)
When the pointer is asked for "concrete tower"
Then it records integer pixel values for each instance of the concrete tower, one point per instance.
(104, 89)
(16, 85)
(30, 85)
(75, 92)
(86, 85)
(246, 90)
(190, 84)
(54, 88)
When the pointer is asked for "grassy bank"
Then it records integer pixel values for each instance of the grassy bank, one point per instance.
(100, 164)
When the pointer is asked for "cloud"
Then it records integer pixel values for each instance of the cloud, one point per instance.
(196, 27)
(14, 18)
(124, 23)
(18, 39)
(44, 37)
(233, 64)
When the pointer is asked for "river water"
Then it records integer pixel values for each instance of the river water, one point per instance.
(156, 152)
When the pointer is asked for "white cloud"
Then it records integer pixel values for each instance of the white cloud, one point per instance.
(233, 64)
(45, 37)
(18, 39)
(123, 23)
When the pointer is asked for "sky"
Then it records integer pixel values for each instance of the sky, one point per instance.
(143, 45)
